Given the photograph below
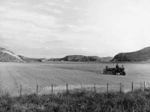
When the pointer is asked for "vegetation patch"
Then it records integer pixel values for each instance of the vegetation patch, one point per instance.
(78, 101)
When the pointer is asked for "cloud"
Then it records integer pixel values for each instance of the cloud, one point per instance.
(74, 26)
(41, 27)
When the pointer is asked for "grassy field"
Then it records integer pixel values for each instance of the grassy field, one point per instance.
(12, 75)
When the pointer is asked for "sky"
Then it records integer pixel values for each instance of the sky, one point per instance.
(55, 28)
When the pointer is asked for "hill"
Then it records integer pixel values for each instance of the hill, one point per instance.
(82, 58)
(8, 56)
(140, 55)
(28, 59)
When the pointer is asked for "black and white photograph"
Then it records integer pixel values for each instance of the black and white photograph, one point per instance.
(74, 55)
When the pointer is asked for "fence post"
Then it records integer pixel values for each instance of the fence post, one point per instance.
(144, 85)
(107, 87)
(120, 88)
(37, 89)
(20, 90)
(52, 87)
(67, 88)
(94, 88)
(132, 86)
(141, 86)
(81, 85)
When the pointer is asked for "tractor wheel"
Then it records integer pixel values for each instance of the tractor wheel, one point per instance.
(123, 73)
(114, 73)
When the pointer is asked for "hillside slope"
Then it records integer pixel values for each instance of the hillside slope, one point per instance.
(28, 59)
(140, 55)
(81, 58)
(8, 56)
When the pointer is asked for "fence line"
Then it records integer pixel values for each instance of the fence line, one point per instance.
(107, 87)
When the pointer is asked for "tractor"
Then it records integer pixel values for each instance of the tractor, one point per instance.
(115, 71)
